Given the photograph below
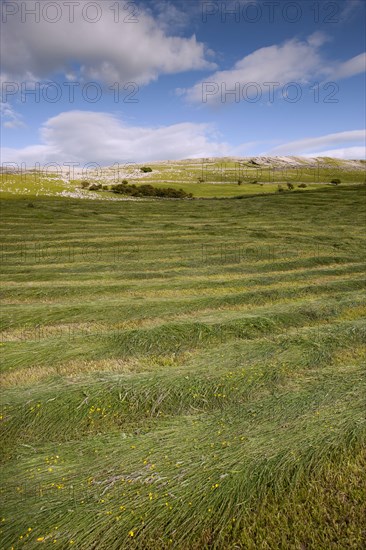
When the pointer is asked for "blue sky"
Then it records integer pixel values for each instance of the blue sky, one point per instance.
(119, 81)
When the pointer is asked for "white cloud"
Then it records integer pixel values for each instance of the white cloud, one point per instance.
(351, 8)
(343, 153)
(293, 61)
(111, 49)
(322, 145)
(11, 119)
(318, 38)
(353, 66)
(81, 136)
(173, 18)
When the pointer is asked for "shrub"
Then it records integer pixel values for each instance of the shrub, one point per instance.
(147, 190)
(335, 181)
(85, 184)
(95, 186)
(254, 181)
(290, 186)
(122, 188)
(302, 185)
(146, 169)
(105, 187)
(240, 182)
(200, 180)
(280, 189)
(172, 193)
(125, 182)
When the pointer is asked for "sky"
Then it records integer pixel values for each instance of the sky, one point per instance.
(116, 81)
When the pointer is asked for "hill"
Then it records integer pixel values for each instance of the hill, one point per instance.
(204, 178)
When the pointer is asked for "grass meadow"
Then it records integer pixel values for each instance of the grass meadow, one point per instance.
(184, 374)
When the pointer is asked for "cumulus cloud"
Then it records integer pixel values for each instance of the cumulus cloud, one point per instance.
(318, 38)
(10, 118)
(121, 45)
(352, 142)
(81, 136)
(293, 61)
(172, 17)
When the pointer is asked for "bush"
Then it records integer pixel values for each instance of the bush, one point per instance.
(290, 186)
(146, 169)
(147, 190)
(336, 181)
(122, 188)
(85, 184)
(105, 187)
(280, 189)
(302, 185)
(172, 193)
(95, 186)
(240, 182)
(125, 182)
(254, 181)
(200, 180)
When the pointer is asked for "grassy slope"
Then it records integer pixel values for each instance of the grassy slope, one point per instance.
(219, 178)
(184, 374)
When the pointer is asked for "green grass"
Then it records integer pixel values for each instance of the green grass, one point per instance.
(184, 374)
